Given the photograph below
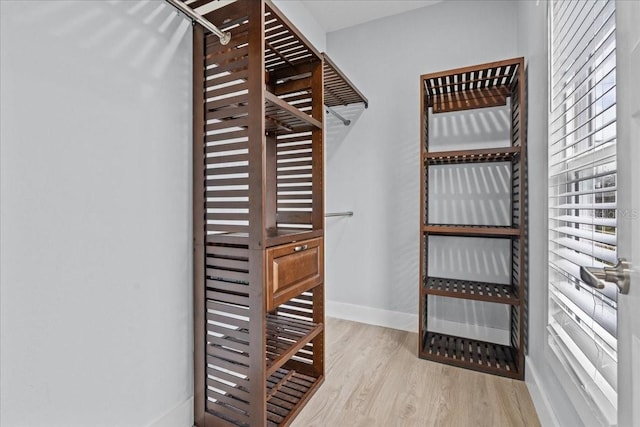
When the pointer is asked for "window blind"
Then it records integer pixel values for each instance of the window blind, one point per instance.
(582, 321)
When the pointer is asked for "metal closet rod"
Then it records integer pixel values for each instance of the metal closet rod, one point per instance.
(338, 116)
(348, 213)
(196, 17)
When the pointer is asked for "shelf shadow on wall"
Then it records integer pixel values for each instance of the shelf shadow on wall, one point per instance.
(475, 194)
(335, 129)
(470, 130)
(140, 36)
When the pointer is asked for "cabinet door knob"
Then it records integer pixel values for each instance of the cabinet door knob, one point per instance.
(300, 248)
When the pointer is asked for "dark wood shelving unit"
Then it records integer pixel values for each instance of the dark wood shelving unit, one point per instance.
(258, 138)
(258, 203)
(486, 85)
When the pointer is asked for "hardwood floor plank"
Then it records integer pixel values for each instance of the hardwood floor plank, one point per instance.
(374, 378)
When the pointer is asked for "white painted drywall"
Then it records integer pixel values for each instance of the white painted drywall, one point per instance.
(95, 214)
(374, 170)
(304, 20)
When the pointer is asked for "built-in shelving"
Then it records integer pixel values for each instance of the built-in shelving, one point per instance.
(488, 85)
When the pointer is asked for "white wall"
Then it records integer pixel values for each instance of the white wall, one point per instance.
(374, 170)
(297, 13)
(96, 232)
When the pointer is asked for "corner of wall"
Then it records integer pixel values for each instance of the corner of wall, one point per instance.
(180, 416)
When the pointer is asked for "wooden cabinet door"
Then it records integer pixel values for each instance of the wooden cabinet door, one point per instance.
(293, 269)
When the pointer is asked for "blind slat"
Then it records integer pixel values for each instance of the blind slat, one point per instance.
(585, 192)
(608, 239)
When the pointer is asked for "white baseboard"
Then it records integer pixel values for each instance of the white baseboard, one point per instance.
(539, 396)
(409, 322)
(482, 333)
(372, 316)
(180, 416)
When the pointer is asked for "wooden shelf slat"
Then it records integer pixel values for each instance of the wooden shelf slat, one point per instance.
(503, 154)
(287, 115)
(472, 230)
(470, 354)
(465, 289)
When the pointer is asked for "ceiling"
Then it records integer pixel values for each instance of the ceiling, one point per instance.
(334, 15)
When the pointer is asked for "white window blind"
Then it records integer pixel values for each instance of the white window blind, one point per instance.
(582, 321)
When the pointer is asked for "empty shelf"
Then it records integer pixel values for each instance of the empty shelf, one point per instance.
(479, 291)
(274, 236)
(338, 89)
(505, 154)
(280, 115)
(285, 337)
(285, 46)
(485, 85)
(472, 230)
(287, 392)
(469, 353)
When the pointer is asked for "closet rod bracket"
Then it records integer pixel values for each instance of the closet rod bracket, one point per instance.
(225, 37)
(346, 122)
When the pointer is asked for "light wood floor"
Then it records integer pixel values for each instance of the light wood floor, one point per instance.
(374, 378)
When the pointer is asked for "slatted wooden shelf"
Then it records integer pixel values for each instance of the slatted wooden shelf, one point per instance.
(467, 88)
(280, 235)
(285, 46)
(506, 154)
(275, 236)
(287, 392)
(465, 289)
(280, 115)
(469, 353)
(285, 337)
(472, 230)
(338, 89)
